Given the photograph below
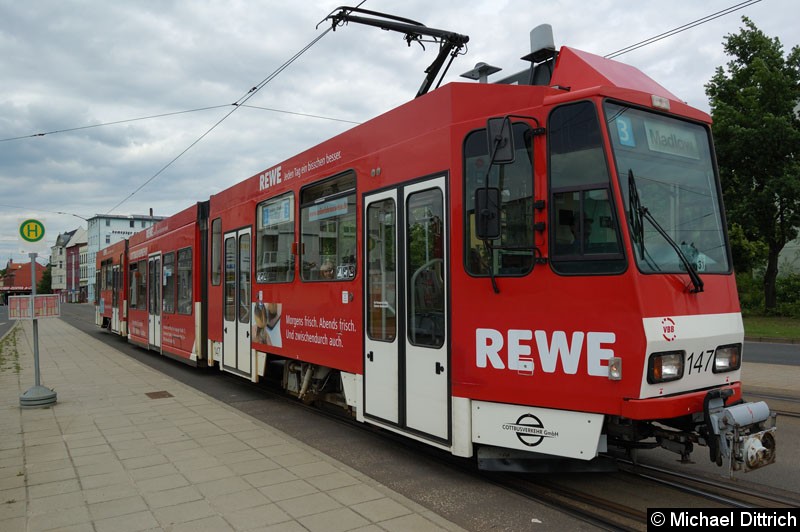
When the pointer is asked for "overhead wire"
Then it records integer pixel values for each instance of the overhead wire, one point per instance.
(236, 105)
(680, 29)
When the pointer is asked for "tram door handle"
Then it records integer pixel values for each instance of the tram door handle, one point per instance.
(225, 330)
(369, 356)
(439, 368)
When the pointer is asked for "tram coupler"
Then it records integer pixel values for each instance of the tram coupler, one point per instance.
(741, 434)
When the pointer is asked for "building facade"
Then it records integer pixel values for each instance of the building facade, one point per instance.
(58, 264)
(107, 229)
(77, 284)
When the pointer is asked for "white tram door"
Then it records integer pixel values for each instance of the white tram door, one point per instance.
(406, 366)
(154, 300)
(116, 289)
(236, 356)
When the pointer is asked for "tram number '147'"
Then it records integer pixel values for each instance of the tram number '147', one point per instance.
(700, 362)
(513, 351)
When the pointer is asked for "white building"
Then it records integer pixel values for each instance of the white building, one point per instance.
(106, 229)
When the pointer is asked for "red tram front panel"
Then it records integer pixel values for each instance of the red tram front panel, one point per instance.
(111, 305)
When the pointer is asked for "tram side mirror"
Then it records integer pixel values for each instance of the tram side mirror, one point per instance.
(501, 140)
(487, 213)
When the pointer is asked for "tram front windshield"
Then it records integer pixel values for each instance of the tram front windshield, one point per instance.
(674, 179)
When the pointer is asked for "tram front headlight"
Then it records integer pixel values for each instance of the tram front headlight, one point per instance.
(665, 367)
(727, 358)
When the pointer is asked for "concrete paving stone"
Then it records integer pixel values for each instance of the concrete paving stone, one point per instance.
(308, 504)
(208, 474)
(89, 433)
(209, 524)
(120, 433)
(10, 510)
(249, 518)
(112, 422)
(86, 442)
(177, 449)
(104, 479)
(169, 435)
(43, 505)
(144, 461)
(171, 497)
(12, 471)
(194, 464)
(90, 459)
(381, 509)
(127, 523)
(337, 520)
(410, 523)
(16, 524)
(16, 461)
(288, 526)
(279, 491)
(153, 471)
(60, 518)
(131, 435)
(355, 494)
(137, 452)
(215, 488)
(277, 450)
(48, 466)
(100, 468)
(169, 516)
(332, 481)
(227, 448)
(91, 450)
(248, 455)
(42, 440)
(54, 488)
(155, 425)
(200, 430)
(162, 483)
(218, 440)
(12, 495)
(117, 507)
(15, 452)
(51, 476)
(258, 465)
(297, 458)
(269, 478)
(44, 453)
(132, 443)
(313, 469)
(239, 500)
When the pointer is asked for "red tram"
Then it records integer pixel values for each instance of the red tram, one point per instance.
(519, 271)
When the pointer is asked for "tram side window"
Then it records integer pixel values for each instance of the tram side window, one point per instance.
(168, 299)
(106, 275)
(141, 285)
(328, 229)
(216, 251)
(185, 281)
(584, 231)
(512, 253)
(136, 280)
(274, 239)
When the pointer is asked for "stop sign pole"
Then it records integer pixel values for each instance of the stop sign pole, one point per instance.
(31, 233)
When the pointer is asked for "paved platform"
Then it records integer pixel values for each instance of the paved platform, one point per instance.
(108, 457)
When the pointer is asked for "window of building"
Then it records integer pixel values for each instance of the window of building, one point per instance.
(143, 224)
(108, 223)
(132, 222)
(185, 281)
(584, 232)
(216, 251)
(328, 229)
(274, 239)
(512, 253)
(108, 239)
(168, 299)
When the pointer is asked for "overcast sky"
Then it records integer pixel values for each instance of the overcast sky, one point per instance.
(72, 64)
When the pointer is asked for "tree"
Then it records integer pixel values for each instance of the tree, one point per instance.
(44, 286)
(757, 134)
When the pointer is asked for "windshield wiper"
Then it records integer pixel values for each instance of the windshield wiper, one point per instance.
(637, 212)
